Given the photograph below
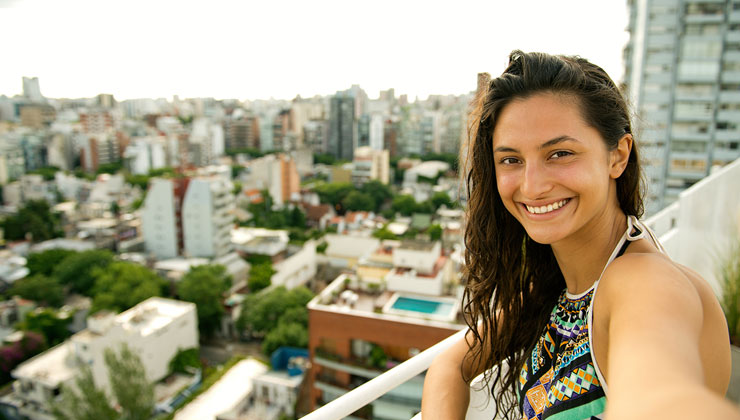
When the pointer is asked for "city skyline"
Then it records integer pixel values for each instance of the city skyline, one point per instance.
(243, 51)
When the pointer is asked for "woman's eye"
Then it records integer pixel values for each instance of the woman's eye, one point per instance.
(560, 154)
(509, 161)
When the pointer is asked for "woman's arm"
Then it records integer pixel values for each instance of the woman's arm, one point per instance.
(446, 394)
(654, 320)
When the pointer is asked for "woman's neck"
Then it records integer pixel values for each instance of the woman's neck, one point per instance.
(583, 255)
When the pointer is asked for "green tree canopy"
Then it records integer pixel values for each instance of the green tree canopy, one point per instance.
(286, 334)
(384, 233)
(440, 198)
(260, 276)
(83, 400)
(378, 191)
(48, 323)
(129, 384)
(39, 288)
(261, 312)
(121, 285)
(435, 232)
(77, 269)
(205, 285)
(357, 200)
(34, 218)
(184, 359)
(333, 193)
(404, 204)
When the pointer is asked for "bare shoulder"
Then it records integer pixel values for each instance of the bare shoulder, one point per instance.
(653, 276)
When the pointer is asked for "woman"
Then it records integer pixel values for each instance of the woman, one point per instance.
(564, 284)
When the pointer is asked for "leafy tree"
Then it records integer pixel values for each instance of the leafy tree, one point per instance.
(325, 159)
(77, 269)
(34, 218)
(435, 232)
(260, 276)
(384, 233)
(321, 248)
(48, 323)
(184, 359)
(39, 288)
(110, 168)
(333, 193)
(205, 285)
(440, 198)
(83, 401)
(129, 384)
(121, 285)
(357, 200)
(286, 334)
(378, 191)
(404, 204)
(142, 181)
(47, 172)
(262, 312)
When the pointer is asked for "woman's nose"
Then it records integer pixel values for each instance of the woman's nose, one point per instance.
(535, 182)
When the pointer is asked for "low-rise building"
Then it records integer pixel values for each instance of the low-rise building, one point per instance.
(155, 329)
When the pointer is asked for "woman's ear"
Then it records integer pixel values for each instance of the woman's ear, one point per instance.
(619, 156)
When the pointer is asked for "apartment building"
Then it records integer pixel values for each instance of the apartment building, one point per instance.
(682, 76)
(403, 300)
(155, 329)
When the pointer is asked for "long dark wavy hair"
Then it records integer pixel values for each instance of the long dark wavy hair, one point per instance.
(513, 282)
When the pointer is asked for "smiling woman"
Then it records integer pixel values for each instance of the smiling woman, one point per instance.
(564, 284)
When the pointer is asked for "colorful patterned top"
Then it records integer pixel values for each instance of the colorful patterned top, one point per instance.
(559, 381)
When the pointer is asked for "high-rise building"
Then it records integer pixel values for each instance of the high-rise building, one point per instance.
(206, 217)
(188, 216)
(31, 89)
(316, 136)
(342, 126)
(370, 164)
(277, 174)
(242, 132)
(682, 76)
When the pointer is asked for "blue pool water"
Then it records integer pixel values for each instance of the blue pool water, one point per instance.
(422, 305)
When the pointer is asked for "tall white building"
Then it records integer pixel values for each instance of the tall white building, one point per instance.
(207, 217)
(155, 329)
(683, 79)
(189, 217)
(31, 89)
(159, 216)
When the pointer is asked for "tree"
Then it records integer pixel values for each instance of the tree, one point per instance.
(435, 232)
(440, 198)
(34, 218)
(260, 276)
(77, 269)
(333, 193)
(129, 384)
(286, 334)
(82, 401)
(262, 312)
(48, 323)
(45, 262)
(357, 200)
(121, 285)
(39, 288)
(205, 285)
(378, 191)
(384, 233)
(184, 359)
(404, 204)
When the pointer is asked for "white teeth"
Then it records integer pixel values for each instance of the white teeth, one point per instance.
(548, 208)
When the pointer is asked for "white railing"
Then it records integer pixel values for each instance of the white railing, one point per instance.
(376, 387)
(708, 212)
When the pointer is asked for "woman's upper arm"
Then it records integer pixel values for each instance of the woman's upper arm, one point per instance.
(654, 323)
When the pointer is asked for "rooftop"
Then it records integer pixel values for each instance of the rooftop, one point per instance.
(417, 245)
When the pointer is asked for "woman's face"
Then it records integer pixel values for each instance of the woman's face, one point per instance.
(553, 171)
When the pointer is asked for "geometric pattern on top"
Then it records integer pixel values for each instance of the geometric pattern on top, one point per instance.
(558, 381)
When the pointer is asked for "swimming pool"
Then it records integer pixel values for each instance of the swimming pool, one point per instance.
(439, 308)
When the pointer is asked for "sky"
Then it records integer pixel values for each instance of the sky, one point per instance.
(282, 48)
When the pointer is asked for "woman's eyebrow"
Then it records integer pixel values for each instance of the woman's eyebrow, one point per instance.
(549, 143)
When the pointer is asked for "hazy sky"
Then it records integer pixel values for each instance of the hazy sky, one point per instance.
(261, 49)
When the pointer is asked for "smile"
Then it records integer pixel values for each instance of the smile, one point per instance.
(548, 208)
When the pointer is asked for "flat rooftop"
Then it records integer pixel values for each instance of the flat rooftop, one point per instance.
(152, 314)
(50, 367)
